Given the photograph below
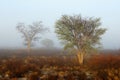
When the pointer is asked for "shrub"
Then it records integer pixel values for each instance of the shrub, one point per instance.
(103, 62)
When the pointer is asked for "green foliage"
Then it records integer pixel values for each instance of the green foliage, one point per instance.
(79, 32)
(48, 43)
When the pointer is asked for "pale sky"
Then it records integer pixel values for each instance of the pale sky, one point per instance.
(48, 11)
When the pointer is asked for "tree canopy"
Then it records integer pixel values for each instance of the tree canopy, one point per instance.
(30, 32)
(78, 32)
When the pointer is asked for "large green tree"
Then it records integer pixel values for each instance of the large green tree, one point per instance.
(80, 33)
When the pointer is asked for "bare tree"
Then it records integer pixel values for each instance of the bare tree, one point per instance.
(30, 32)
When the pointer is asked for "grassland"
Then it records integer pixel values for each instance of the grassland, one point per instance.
(58, 65)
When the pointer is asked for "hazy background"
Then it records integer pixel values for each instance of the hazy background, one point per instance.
(48, 11)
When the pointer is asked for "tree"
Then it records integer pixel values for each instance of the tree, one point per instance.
(82, 34)
(30, 32)
(48, 43)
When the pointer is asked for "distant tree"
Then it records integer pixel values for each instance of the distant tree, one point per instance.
(82, 34)
(30, 32)
(48, 43)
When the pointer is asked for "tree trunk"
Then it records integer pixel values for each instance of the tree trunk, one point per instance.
(29, 47)
(80, 57)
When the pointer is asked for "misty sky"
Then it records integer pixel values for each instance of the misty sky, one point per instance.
(48, 11)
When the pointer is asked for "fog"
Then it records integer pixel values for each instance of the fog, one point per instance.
(29, 11)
